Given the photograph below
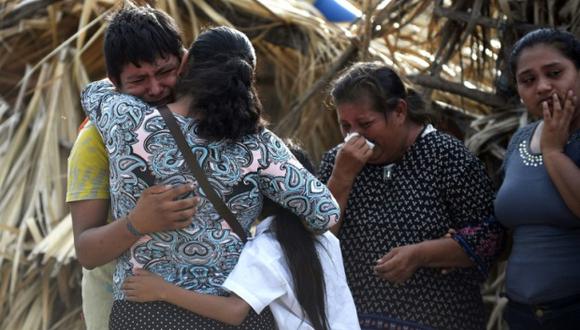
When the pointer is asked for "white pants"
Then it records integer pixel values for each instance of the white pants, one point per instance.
(97, 291)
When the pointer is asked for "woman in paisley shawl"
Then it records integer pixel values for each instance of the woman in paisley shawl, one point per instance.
(403, 185)
(539, 199)
(219, 112)
(299, 275)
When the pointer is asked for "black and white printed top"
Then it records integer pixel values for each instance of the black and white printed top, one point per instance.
(437, 185)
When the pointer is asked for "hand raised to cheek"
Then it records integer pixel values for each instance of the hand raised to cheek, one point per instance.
(556, 130)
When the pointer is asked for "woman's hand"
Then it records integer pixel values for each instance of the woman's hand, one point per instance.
(351, 158)
(399, 264)
(450, 233)
(557, 122)
(158, 209)
(144, 286)
(563, 172)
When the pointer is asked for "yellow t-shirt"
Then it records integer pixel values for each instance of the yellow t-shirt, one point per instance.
(88, 178)
(88, 167)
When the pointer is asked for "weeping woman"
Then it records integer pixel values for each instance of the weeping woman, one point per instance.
(403, 185)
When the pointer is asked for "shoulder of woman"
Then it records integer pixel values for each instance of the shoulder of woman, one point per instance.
(524, 131)
(330, 154)
(520, 134)
(447, 145)
(265, 136)
(327, 162)
(99, 86)
(262, 251)
(329, 238)
(453, 156)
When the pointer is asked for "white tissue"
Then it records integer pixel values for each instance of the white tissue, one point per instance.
(352, 135)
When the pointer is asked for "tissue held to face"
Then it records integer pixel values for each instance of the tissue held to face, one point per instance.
(385, 131)
(353, 135)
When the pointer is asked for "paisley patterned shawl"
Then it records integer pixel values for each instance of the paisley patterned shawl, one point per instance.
(143, 153)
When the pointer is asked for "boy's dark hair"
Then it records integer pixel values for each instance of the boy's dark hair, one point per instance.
(565, 42)
(220, 78)
(299, 246)
(139, 34)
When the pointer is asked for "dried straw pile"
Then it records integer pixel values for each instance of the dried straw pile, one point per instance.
(49, 49)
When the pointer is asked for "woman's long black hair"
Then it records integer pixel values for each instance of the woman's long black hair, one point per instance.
(220, 78)
(299, 246)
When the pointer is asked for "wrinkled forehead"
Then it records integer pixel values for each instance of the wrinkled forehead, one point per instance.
(360, 100)
(158, 61)
(144, 67)
(356, 110)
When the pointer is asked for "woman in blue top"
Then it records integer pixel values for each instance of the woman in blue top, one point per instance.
(218, 110)
(540, 195)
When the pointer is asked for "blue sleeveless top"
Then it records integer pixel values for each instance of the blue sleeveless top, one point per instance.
(544, 264)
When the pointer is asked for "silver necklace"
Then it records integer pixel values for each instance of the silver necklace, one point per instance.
(388, 171)
(528, 158)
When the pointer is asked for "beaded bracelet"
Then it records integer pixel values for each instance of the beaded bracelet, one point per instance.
(132, 228)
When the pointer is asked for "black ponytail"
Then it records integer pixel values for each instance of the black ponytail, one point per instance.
(299, 246)
(220, 78)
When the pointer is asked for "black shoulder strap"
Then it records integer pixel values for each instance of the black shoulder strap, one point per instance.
(191, 160)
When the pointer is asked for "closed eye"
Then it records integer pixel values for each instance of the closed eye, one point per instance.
(136, 81)
(165, 72)
(526, 80)
(366, 124)
(554, 73)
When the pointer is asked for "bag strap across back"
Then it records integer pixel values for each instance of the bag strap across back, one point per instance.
(191, 160)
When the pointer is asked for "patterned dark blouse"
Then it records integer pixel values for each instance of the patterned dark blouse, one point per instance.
(142, 153)
(437, 185)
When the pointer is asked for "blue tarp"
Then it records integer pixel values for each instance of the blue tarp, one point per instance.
(337, 10)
